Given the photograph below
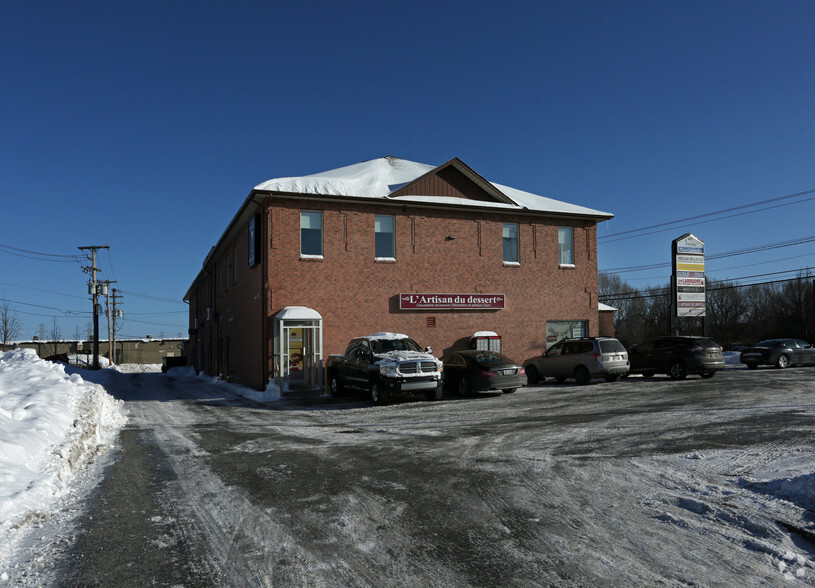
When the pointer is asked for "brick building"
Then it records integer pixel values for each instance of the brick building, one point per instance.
(438, 253)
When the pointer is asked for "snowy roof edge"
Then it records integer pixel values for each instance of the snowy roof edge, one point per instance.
(379, 178)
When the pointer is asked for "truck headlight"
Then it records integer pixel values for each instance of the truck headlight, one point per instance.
(387, 370)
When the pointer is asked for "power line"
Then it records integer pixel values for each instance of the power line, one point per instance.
(666, 290)
(664, 225)
(151, 297)
(71, 312)
(735, 252)
(40, 290)
(58, 257)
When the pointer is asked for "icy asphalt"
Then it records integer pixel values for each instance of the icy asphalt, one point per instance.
(638, 482)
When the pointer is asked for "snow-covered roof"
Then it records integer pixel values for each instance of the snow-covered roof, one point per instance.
(605, 307)
(380, 178)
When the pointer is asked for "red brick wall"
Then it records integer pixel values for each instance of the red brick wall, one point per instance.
(357, 295)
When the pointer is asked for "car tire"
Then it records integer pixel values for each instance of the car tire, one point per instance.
(463, 388)
(678, 371)
(782, 362)
(581, 375)
(378, 394)
(532, 375)
(337, 389)
(508, 390)
(707, 375)
(434, 394)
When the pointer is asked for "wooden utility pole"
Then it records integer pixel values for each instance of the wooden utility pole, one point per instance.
(93, 291)
(116, 314)
(106, 291)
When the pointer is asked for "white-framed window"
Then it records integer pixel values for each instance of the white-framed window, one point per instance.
(510, 238)
(384, 236)
(565, 245)
(311, 233)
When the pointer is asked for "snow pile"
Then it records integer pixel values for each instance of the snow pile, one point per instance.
(799, 490)
(51, 424)
(272, 393)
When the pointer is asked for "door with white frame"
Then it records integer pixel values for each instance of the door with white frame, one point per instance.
(298, 349)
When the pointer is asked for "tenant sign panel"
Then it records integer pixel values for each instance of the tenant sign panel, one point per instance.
(688, 280)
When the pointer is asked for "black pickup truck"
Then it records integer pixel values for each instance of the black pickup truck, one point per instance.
(386, 364)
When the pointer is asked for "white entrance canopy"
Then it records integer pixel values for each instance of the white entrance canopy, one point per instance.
(298, 313)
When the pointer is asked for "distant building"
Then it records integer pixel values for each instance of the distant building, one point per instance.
(146, 351)
(438, 253)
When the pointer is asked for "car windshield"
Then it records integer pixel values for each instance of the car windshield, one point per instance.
(492, 358)
(386, 345)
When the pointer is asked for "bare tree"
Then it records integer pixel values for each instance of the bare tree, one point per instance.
(10, 323)
(726, 311)
(793, 305)
(55, 337)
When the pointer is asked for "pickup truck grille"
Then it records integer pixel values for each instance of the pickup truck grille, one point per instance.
(417, 367)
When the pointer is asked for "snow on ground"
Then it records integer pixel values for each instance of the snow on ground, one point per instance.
(52, 425)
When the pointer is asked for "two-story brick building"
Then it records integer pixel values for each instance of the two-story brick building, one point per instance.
(438, 253)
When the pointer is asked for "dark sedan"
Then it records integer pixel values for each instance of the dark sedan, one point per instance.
(778, 352)
(677, 357)
(476, 370)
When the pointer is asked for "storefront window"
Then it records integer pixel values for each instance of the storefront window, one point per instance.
(557, 330)
(311, 233)
(511, 243)
(565, 245)
(384, 237)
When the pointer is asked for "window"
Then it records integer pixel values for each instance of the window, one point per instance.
(565, 245)
(311, 233)
(511, 243)
(385, 246)
(254, 240)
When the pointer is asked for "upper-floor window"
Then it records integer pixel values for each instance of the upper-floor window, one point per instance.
(565, 245)
(253, 231)
(385, 243)
(311, 233)
(510, 235)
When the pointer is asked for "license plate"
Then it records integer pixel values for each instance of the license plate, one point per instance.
(508, 372)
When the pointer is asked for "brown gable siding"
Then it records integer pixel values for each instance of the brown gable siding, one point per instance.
(448, 182)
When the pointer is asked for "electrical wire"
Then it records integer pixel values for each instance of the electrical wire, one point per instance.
(148, 296)
(734, 253)
(665, 225)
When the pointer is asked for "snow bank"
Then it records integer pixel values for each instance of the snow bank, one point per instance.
(51, 424)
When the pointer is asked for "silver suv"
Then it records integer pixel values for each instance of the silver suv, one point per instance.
(582, 359)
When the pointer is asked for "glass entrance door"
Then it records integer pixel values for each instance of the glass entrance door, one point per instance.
(298, 350)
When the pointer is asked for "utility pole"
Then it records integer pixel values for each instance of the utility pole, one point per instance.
(116, 314)
(93, 290)
(106, 291)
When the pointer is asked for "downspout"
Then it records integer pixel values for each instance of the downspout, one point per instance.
(264, 288)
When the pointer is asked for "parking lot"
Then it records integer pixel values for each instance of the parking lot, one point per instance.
(640, 481)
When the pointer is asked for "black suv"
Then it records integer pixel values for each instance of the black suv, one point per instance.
(677, 357)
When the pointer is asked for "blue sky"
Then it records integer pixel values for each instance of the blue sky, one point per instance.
(144, 125)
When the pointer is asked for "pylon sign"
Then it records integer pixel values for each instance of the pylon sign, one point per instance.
(688, 280)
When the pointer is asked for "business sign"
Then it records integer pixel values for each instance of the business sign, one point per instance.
(688, 281)
(451, 301)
